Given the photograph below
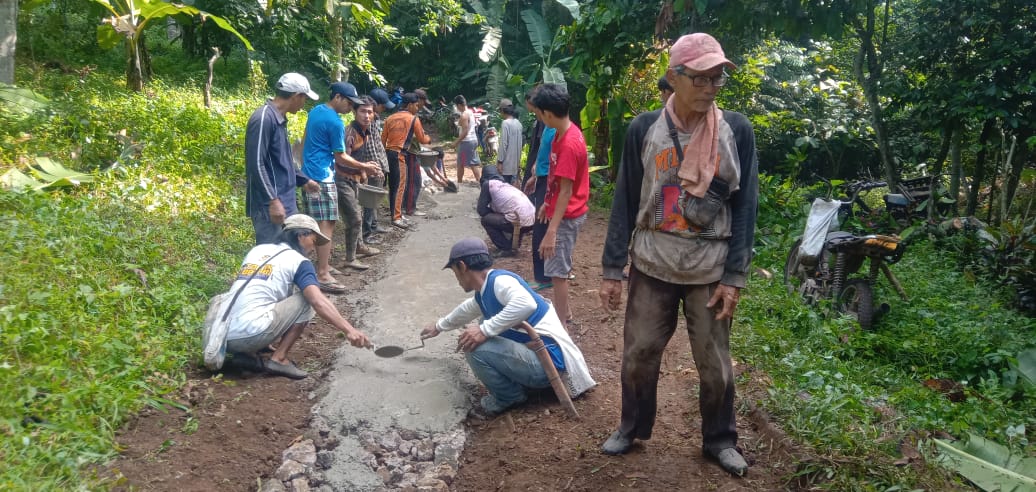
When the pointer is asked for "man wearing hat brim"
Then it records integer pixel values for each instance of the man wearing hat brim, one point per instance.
(383, 103)
(270, 172)
(690, 240)
(280, 300)
(326, 160)
(495, 348)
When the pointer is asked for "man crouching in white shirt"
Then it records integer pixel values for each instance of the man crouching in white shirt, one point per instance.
(495, 348)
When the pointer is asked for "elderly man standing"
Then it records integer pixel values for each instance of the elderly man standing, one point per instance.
(270, 172)
(687, 194)
(501, 205)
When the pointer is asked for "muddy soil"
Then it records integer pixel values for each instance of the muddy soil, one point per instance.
(227, 431)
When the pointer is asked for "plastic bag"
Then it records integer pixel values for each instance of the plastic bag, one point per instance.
(823, 218)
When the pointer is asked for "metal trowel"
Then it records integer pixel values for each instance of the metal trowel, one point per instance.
(389, 351)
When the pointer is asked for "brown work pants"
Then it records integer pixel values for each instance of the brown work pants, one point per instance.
(650, 322)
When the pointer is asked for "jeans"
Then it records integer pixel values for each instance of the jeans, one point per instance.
(507, 368)
(539, 230)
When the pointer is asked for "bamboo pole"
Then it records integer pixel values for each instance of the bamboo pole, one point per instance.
(536, 344)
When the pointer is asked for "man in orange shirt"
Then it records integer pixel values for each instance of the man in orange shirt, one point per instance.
(400, 128)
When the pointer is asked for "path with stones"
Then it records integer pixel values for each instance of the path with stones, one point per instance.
(396, 423)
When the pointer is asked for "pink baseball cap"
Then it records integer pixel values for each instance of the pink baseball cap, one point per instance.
(698, 52)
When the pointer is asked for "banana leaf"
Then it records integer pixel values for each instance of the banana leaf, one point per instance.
(987, 464)
(49, 174)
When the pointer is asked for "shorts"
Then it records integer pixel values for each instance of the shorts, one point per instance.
(560, 265)
(322, 205)
(467, 153)
(286, 313)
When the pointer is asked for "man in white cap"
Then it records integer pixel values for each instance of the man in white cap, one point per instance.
(685, 211)
(495, 348)
(280, 299)
(270, 173)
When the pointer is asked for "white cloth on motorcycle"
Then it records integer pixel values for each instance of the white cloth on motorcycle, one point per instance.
(823, 218)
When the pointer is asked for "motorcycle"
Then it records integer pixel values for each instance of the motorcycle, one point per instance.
(824, 262)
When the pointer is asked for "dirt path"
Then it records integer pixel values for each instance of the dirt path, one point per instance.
(231, 429)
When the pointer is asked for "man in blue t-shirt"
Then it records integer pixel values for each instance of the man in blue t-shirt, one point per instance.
(324, 149)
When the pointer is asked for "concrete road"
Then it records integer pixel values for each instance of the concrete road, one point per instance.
(429, 389)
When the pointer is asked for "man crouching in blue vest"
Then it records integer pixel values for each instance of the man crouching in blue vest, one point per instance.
(495, 348)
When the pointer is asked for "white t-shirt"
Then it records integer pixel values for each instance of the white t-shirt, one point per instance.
(252, 313)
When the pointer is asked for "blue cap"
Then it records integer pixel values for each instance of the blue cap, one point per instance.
(382, 97)
(346, 90)
(466, 247)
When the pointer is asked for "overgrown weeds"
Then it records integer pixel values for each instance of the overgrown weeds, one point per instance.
(103, 287)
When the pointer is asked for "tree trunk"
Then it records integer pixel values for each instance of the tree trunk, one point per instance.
(980, 168)
(601, 133)
(8, 37)
(868, 58)
(1018, 164)
(138, 63)
(208, 82)
(337, 33)
(955, 173)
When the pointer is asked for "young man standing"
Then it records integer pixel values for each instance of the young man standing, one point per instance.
(382, 103)
(510, 155)
(270, 173)
(324, 150)
(495, 348)
(400, 129)
(467, 141)
(568, 191)
(537, 168)
(684, 212)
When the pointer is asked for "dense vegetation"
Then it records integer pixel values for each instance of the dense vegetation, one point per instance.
(102, 285)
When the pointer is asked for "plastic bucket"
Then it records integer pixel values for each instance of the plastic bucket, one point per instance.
(371, 196)
(428, 158)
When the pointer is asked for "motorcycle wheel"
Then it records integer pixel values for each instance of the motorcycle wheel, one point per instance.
(857, 299)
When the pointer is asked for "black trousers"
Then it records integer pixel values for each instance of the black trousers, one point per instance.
(538, 231)
(499, 229)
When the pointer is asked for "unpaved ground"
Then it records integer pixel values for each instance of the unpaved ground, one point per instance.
(234, 427)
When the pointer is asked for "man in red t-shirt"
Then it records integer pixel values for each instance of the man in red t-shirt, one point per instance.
(568, 190)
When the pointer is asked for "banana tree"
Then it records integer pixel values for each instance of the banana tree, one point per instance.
(126, 25)
(538, 66)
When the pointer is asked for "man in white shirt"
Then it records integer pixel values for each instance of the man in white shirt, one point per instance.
(495, 348)
(501, 206)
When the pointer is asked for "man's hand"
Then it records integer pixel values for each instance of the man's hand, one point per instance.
(727, 296)
(611, 294)
(373, 169)
(548, 245)
(358, 338)
(470, 339)
(530, 185)
(312, 186)
(277, 213)
(429, 332)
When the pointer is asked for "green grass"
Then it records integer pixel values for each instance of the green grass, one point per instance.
(854, 396)
(102, 288)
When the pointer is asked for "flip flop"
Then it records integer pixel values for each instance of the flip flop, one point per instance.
(332, 287)
(540, 286)
(335, 271)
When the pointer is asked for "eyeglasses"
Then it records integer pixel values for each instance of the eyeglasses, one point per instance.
(704, 80)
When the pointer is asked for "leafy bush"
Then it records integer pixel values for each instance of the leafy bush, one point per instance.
(104, 287)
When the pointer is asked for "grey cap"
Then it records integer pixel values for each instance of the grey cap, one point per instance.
(306, 223)
(382, 97)
(466, 247)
